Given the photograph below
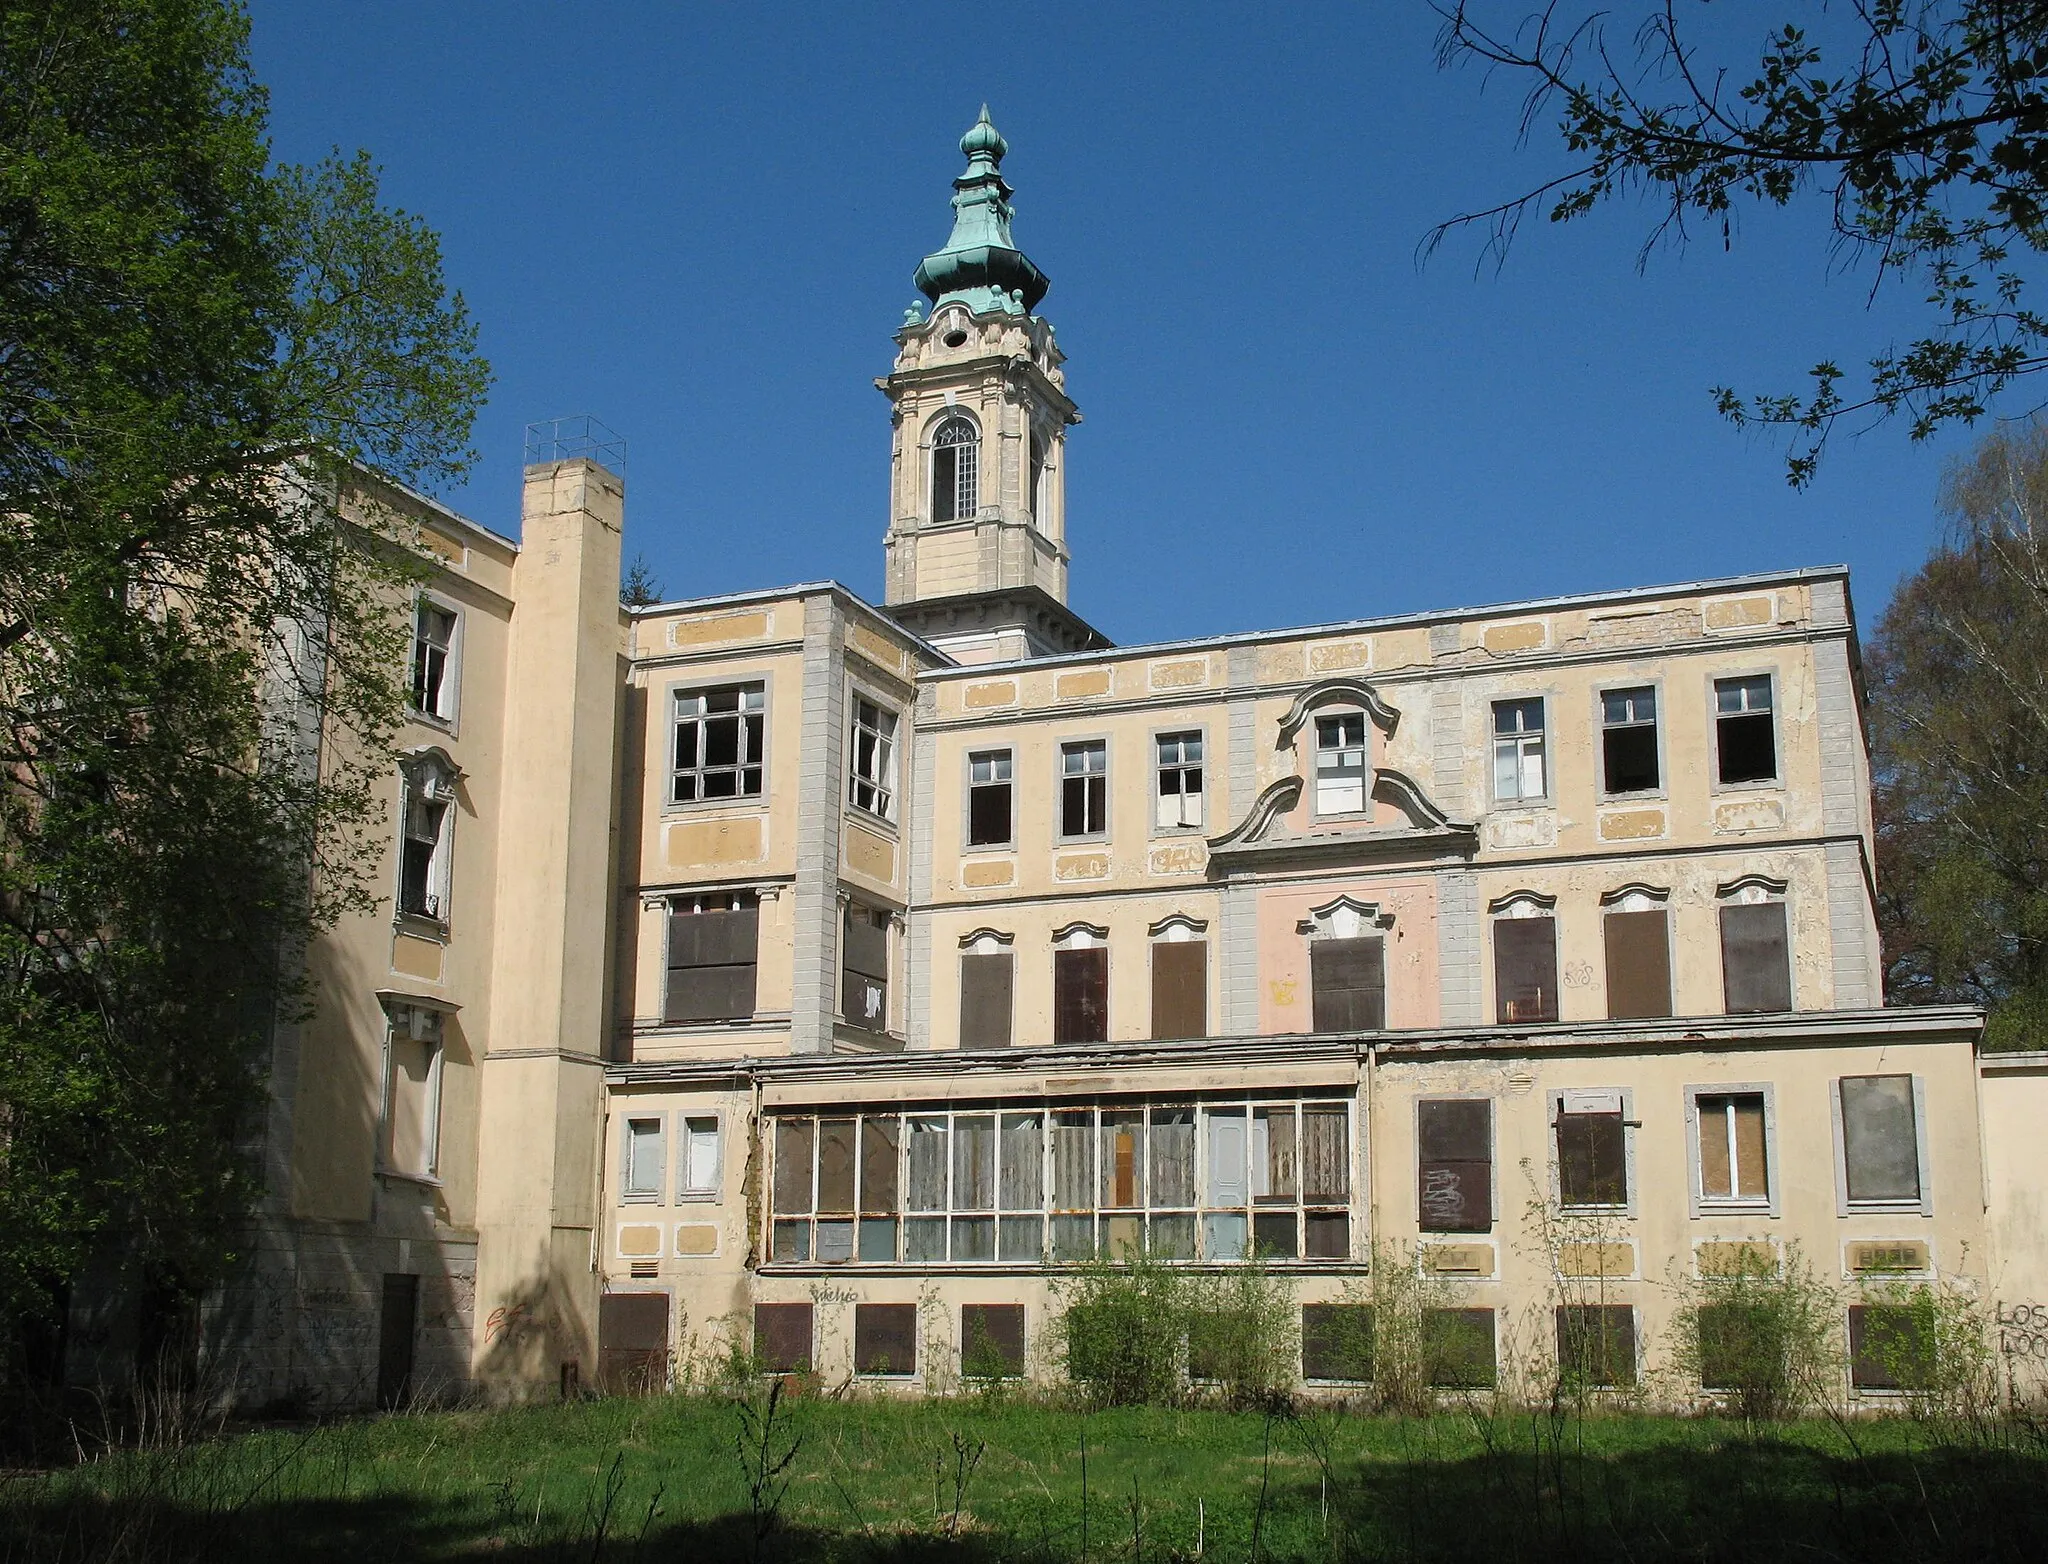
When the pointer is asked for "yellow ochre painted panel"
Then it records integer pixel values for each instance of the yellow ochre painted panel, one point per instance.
(439, 543)
(1180, 675)
(1737, 1257)
(1631, 824)
(1458, 1259)
(1074, 686)
(1594, 1259)
(1891, 1254)
(1750, 814)
(985, 874)
(420, 958)
(722, 628)
(1179, 858)
(1082, 866)
(1524, 637)
(1738, 613)
(1332, 656)
(715, 842)
(870, 854)
(877, 648)
(696, 1238)
(637, 1239)
(1000, 693)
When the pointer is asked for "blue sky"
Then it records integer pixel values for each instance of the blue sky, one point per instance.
(698, 223)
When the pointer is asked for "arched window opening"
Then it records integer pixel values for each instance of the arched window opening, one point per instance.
(1037, 478)
(956, 471)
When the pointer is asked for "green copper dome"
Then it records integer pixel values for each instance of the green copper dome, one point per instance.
(981, 265)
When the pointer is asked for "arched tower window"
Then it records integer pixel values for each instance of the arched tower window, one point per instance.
(1037, 479)
(956, 471)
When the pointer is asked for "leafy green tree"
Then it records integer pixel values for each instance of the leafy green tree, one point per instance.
(1958, 673)
(200, 665)
(1922, 124)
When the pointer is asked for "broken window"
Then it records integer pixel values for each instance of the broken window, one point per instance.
(880, 1135)
(721, 734)
(1628, 740)
(697, 1170)
(1525, 969)
(871, 778)
(1732, 1147)
(1179, 801)
(1084, 788)
(1596, 1346)
(1080, 995)
(988, 798)
(1519, 772)
(956, 470)
(1180, 988)
(1337, 1343)
(433, 668)
(1454, 1164)
(1349, 981)
(1756, 966)
(1638, 963)
(712, 948)
(1171, 1234)
(1340, 763)
(645, 1159)
(1592, 1150)
(423, 842)
(1880, 1139)
(1020, 1229)
(885, 1338)
(411, 1141)
(865, 955)
(1745, 741)
(1073, 1185)
(782, 1338)
(987, 981)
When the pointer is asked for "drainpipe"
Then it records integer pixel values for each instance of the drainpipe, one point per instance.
(1372, 1150)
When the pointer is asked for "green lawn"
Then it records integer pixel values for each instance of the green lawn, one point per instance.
(661, 1479)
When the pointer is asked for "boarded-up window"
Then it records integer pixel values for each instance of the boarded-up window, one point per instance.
(1080, 996)
(1123, 1160)
(1349, 977)
(1325, 1154)
(879, 1202)
(1173, 1157)
(986, 985)
(1596, 1346)
(974, 1162)
(1733, 1158)
(885, 1338)
(927, 1159)
(1180, 989)
(712, 945)
(1454, 1165)
(782, 1337)
(1592, 1155)
(835, 1165)
(632, 1343)
(793, 1141)
(1638, 964)
(1525, 969)
(1741, 1346)
(1458, 1348)
(1880, 1142)
(1755, 964)
(1891, 1346)
(992, 1340)
(1336, 1342)
(865, 955)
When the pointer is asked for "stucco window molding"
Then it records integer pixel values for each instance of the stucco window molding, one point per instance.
(1522, 904)
(1336, 692)
(1636, 896)
(1344, 918)
(987, 941)
(1178, 927)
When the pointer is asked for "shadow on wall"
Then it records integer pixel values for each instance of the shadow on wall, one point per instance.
(533, 1344)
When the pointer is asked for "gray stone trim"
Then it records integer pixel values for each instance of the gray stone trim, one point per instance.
(1859, 982)
(1447, 748)
(1239, 932)
(1830, 599)
(1443, 639)
(814, 988)
(1457, 948)
(1841, 738)
(917, 940)
(1243, 767)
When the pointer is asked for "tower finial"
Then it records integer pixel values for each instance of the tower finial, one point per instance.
(981, 265)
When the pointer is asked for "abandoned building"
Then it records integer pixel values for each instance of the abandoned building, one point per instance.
(828, 978)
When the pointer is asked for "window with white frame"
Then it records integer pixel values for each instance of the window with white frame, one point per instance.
(426, 818)
(1027, 1182)
(1179, 796)
(1745, 738)
(1732, 1149)
(1520, 771)
(956, 470)
(644, 1155)
(1340, 763)
(411, 1139)
(989, 798)
(701, 1162)
(720, 737)
(433, 660)
(871, 765)
(1084, 788)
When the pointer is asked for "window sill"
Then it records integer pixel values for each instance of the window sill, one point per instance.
(869, 818)
(1649, 795)
(639, 1200)
(1856, 1208)
(687, 806)
(698, 1197)
(1098, 839)
(421, 926)
(1709, 1208)
(973, 848)
(1523, 805)
(1761, 785)
(429, 719)
(423, 1180)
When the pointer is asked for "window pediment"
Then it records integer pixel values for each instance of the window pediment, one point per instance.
(1345, 918)
(1337, 692)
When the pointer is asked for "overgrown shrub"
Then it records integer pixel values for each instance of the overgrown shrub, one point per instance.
(1134, 1331)
(1760, 1334)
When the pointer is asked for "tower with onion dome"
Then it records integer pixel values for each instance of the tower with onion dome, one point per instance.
(977, 542)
